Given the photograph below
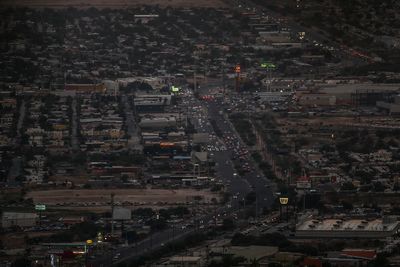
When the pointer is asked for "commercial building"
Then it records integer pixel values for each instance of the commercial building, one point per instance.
(361, 94)
(157, 122)
(348, 228)
(390, 107)
(316, 99)
(86, 88)
(10, 219)
(151, 103)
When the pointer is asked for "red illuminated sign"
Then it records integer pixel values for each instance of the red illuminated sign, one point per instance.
(237, 68)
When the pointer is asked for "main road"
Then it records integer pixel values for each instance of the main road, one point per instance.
(200, 112)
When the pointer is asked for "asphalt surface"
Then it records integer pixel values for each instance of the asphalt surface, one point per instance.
(200, 113)
(74, 126)
(132, 129)
(252, 180)
(16, 167)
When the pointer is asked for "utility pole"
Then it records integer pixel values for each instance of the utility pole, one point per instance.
(237, 78)
(223, 79)
(256, 215)
(205, 74)
(194, 82)
(112, 214)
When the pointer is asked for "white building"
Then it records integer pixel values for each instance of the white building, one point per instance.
(348, 228)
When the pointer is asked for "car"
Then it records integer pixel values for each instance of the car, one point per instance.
(116, 257)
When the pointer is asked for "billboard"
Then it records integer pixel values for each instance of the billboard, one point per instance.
(268, 65)
(121, 214)
(174, 89)
(40, 207)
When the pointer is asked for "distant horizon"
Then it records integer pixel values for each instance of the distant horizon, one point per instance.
(114, 4)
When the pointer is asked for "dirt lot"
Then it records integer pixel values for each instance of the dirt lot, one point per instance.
(96, 199)
(111, 3)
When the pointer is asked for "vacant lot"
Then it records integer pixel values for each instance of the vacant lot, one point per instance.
(111, 3)
(97, 198)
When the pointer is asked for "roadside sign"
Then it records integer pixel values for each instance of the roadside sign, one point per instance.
(237, 68)
(283, 200)
(40, 207)
(174, 89)
(268, 65)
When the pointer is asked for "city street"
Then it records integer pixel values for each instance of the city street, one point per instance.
(200, 113)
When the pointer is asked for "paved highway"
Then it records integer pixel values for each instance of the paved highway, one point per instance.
(252, 180)
(199, 113)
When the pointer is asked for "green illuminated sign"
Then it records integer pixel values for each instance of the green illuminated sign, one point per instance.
(268, 65)
(40, 207)
(174, 89)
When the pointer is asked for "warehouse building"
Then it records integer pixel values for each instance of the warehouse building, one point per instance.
(348, 228)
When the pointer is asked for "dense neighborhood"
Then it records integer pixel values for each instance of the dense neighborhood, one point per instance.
(194, 136)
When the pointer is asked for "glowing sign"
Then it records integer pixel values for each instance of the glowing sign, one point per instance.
(283, 200)
(237, 68)
(174, 89)
(40, 207)
(166, 144)
(89, 242)
(267, 65)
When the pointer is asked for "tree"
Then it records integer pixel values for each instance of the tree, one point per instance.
(254, 263)
(144, 212)
(124, 178)
(21, 262)
(251, 198)
(157, 224)
(347, 186)
(228, 224)
(380, 261)
(347, 205)
(379, 187)
(131, 236)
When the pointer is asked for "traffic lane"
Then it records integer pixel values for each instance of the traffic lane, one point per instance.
(226, 172)
(147, 245)
(159, 239)
(260, 185)
(262, 188)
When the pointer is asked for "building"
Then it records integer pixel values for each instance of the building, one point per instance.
(200, 138)
(250, 253)
(316, 99)
(157, 122)
(112, 87)
(186, 261)
(10, 219)
(145, 18)
(361, 94)
(151, 103)
(348, 228)
(86, 88)
(390, 107)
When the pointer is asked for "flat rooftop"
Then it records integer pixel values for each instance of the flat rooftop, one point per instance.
(352, 88)
(346, 225)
